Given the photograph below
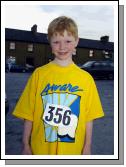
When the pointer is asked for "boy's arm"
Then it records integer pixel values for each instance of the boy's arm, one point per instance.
(26, 137)
(88, 139)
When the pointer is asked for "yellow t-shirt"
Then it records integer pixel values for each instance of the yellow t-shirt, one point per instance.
(59, 100)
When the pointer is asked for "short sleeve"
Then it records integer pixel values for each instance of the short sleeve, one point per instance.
(25, 106)
(94, 108)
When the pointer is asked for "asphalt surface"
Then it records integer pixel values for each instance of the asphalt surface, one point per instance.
(103, 129)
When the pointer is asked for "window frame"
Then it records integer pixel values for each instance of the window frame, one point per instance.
(12, 45)
(30, 47)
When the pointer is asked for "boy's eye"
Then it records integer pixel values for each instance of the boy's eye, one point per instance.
(68, 41)
(55, 42)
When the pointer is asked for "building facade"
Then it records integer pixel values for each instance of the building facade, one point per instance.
(31, 47)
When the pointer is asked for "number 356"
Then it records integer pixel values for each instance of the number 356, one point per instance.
(58, 116)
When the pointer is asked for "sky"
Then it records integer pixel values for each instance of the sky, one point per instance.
(93, 21)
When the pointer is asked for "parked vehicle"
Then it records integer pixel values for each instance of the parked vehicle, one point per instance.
(30, 68)
(17, 68)
(100, 69)
(6, 105)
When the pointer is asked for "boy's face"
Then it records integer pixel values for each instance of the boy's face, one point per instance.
(63, 45)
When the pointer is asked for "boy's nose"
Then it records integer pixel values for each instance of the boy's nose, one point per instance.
(62, 45)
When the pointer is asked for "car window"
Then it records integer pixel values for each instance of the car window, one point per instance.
(87, 64)
(97, 64)
(104, 64)
(108, 64)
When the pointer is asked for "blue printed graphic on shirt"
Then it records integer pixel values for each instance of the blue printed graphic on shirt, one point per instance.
(61, 113)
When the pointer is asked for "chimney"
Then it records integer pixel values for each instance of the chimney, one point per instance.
(34, 28)
(104, 38)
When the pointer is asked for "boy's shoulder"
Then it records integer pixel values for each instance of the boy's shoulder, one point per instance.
(83, 73)
(42, 68)
(41, 71)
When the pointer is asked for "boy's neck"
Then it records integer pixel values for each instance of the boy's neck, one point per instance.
(63, 62)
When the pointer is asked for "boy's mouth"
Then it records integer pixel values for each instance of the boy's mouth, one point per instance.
(62, 53)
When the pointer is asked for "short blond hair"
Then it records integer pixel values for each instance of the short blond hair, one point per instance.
(60, 24)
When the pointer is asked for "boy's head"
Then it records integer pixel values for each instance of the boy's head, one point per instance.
(60, 24)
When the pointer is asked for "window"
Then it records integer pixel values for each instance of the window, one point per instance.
(12, 45)
(106, 54)
(30, 47)
(91, 53)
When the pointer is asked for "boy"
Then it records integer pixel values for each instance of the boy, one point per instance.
(60, 100)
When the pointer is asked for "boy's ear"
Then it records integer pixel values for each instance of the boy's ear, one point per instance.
(47, 38)
(77, 41)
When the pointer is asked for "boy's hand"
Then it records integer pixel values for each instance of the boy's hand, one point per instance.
(27, 150)
(86, 150)
(26, 138)
(88, 139)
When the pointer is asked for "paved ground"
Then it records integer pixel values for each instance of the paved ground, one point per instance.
(103, 132)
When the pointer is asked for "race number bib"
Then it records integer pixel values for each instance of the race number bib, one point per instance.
(57, 115)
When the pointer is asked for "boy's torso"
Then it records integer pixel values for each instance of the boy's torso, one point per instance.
(60, 101)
